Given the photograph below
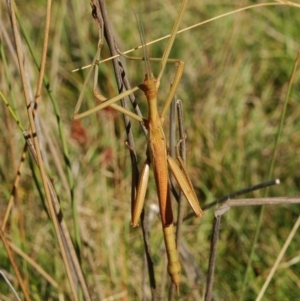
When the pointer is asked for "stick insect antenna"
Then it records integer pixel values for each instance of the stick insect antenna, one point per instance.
(143, 42)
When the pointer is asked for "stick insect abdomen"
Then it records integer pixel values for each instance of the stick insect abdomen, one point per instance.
(157, 145)
(158, 149)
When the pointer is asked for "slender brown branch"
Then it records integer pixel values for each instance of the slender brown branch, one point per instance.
(14, 265)
(212, 258)
(181, 205)
(172, 144)
(236, 193)
(14, 188)
(20, 56)
(68, 247)
(261, 201)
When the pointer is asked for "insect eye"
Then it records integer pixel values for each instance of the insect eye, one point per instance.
(94, 11)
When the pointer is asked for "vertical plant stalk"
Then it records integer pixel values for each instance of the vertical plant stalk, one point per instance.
(10, 285)
(37, 267)
(44, 55)
(66, 239)
(182, 152)
(270, 174)
(212, 256)
(172, 131)
(150, 264)
(19, 170)
(14, 188)
(17, 38)
(14, 195)
(64, 231)
(15, 266)
(271, 168)
(172, 145)
(60, 130)
(176, 106)
(279, 258)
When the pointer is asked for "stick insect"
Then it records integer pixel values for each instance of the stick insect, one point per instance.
(156, 144)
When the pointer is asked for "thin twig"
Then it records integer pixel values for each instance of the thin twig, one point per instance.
(278, 3)
(37, 267)
(14, 264)
(10, 286)
(172, 144)
(216, 229)
(20, 56)
(49, 90)
(64, 235)
(177, 106)
(182, 136)
(279, 258)
(261, 201)
(212, 257)
(235, 194)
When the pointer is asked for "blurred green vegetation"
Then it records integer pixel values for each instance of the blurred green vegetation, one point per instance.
(236, 76)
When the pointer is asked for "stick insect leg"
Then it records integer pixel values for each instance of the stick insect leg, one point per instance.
(185, 184)
(80, 99)
(171, 39)
(104, 102)
(138, 204)
(163, 60)
(178, 75)
(177, 78)
(110, 102)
